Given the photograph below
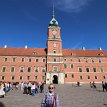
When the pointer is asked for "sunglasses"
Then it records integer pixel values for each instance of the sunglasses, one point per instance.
(51, 87)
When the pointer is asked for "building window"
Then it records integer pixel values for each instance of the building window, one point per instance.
(87, 69)
(92, 59)
(44, 59)
(94, 69)
(104, 77)
(37, 59)
(86, 59)
(65, 75)
(79, 60)
(3, 69)
(22, 59)
(36, 77)
(95, 77)
(71, 60)
(14, 59)
(20, 77)
(21, 69)
(72, 75)
(88, 77)
(72, 65)
(43, 77)
(101, 69)
(43, 69)
(36, 69)
(54, 59)
(30, 59)
(29, 69)
(65, 65)
(99, 60)
(64, 59)
(28, 77)
(12, 69)
(12, 77)
(55, 69)
(3, 77)
(81, 77)
(5, 59)
(80, 69)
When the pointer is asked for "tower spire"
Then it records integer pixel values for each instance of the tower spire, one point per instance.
(53, 10)
(53, 22)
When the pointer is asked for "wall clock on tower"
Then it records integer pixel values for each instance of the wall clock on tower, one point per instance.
(54, 32)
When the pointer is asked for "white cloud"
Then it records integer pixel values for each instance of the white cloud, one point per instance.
(71, 5)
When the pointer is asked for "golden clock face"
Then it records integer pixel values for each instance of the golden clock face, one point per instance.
(54, 32)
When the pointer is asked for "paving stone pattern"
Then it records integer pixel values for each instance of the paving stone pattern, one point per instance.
(69, 95)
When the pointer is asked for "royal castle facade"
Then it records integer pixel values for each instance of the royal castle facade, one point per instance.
(52, 64)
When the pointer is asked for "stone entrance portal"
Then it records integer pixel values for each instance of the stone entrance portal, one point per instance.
(55, 79)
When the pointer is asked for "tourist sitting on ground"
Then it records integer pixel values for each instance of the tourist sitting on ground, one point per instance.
(94, 85)
(91, 85)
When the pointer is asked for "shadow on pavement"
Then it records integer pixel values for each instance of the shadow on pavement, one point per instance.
(1, 104)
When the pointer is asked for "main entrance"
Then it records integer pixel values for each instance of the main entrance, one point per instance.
(55, 79)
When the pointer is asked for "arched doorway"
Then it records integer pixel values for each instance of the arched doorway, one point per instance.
(55, 79)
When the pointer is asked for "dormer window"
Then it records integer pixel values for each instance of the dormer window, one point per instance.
(34, 53)
(100, 54)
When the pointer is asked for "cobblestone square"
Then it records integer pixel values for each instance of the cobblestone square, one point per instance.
(69, 95)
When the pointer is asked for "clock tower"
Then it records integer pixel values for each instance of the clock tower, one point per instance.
(54, 72)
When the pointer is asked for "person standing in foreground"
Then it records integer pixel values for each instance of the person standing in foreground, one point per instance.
(50, 99)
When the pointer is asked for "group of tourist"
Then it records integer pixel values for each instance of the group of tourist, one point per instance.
(32, 88)
(29, 88)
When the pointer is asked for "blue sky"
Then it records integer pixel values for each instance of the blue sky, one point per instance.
(82, 22)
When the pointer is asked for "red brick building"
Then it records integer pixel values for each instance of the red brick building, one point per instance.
(53, 64)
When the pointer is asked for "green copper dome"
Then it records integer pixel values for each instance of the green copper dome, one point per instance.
(53, 22)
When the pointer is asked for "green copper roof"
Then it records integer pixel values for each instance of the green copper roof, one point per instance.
(53, 22)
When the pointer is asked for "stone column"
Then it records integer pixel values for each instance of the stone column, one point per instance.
(48, 78)
(61, 78)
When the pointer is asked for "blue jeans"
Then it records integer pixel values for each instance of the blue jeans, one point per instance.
(33, 92)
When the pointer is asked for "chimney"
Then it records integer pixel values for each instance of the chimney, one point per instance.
(100, 48)
(5, 46)
(25, 46)
(83, 48)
